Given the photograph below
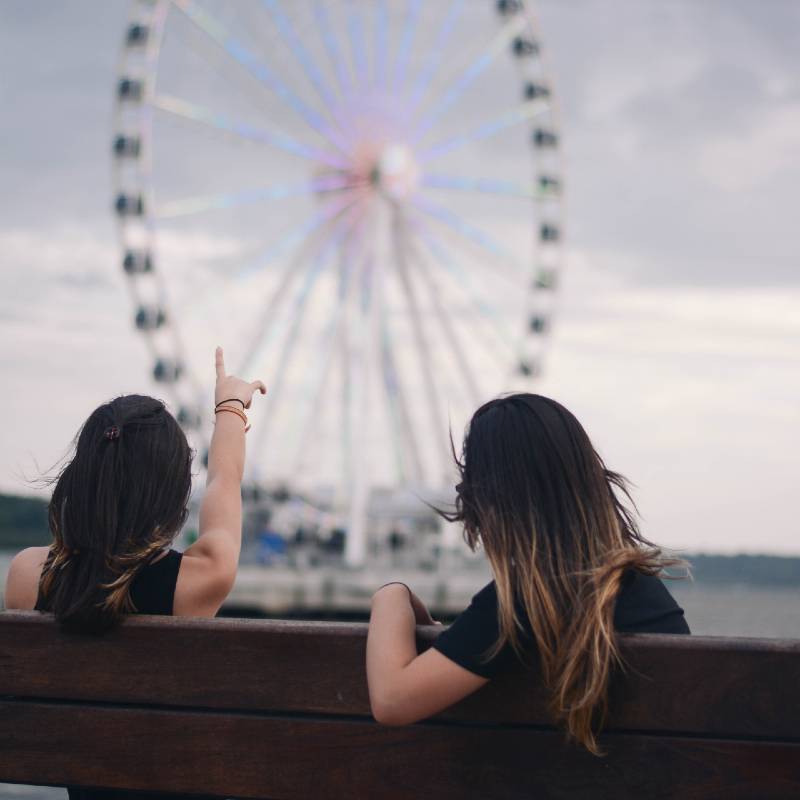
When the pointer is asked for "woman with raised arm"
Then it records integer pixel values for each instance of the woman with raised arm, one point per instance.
(118, 505)
(115, 510)
(570, 569)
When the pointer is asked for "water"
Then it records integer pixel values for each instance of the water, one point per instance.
(11, 792)
(740, 609)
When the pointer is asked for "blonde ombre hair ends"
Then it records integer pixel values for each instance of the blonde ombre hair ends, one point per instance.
(539, 499)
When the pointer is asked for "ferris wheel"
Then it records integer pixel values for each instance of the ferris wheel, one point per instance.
(365, 198)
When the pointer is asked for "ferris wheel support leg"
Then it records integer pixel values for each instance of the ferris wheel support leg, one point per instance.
(361, 356)
(356, 541)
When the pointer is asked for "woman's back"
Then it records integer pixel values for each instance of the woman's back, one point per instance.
(152, 592)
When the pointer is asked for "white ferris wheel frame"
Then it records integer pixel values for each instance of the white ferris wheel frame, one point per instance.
(138, 99)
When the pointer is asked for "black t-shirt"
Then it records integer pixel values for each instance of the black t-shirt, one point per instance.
(643, 606)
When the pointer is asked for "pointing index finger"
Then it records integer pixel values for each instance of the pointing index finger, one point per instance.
(220, 363)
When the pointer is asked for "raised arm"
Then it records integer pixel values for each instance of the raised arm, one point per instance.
(405, 687)
(209, 565)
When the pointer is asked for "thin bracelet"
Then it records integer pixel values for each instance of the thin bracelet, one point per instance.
(238, 413)
(242, 416)
(397, 583)
(230, 400)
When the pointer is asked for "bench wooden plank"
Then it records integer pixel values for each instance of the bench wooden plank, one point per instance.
(256, 755)
(693, 685)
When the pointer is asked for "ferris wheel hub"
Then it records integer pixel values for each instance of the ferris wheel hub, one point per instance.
(396, 171)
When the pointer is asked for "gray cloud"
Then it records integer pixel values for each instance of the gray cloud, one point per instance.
(646, 88)
(649, 91)
(682, 124)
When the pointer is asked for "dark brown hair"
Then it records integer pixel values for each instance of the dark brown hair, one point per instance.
(119, 501)
(538, 497)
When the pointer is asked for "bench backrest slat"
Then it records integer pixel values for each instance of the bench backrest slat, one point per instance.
(254, 755)
(697, 685)
(278, 709)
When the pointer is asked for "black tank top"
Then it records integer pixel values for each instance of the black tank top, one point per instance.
(153, 589)
(152, 592)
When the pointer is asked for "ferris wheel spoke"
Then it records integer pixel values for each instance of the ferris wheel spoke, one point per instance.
(406, 40)
(398, 431)
(213, 28)
(330, 341)
(407, 458)
(197, 205)
(324, 217)
(479, 185)
(301, 54)
(308, 235)
(318, 378)
(266, 323)
(403, 430)
(178, 107)
(381, 43)
(464, 284)
(345, 426)
(298, 316)
(358, 48)
(436, 53)
(434, 294)
(323, 25)
(297, 235)
(508, 119)
(401, 255)
(512, 269)
(404, 442)
(497, 44)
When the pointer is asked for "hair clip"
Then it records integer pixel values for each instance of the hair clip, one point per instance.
(112, 433)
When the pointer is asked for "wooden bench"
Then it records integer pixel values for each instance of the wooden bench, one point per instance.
(271, 709)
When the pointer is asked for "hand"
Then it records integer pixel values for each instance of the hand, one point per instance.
(403, 594)
(421, 614)
(230, 387)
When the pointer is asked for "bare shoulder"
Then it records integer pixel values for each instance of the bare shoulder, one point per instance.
(203, 584)
(22, 581)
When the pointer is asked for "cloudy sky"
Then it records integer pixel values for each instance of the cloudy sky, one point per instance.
(678, 337)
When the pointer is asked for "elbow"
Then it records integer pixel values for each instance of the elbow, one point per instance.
(390, 712)
(386, 714)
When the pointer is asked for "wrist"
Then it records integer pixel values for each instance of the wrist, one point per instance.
(227, 421)
(227, 409)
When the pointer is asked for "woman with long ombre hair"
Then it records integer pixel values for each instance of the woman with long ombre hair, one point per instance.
(570, 568)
